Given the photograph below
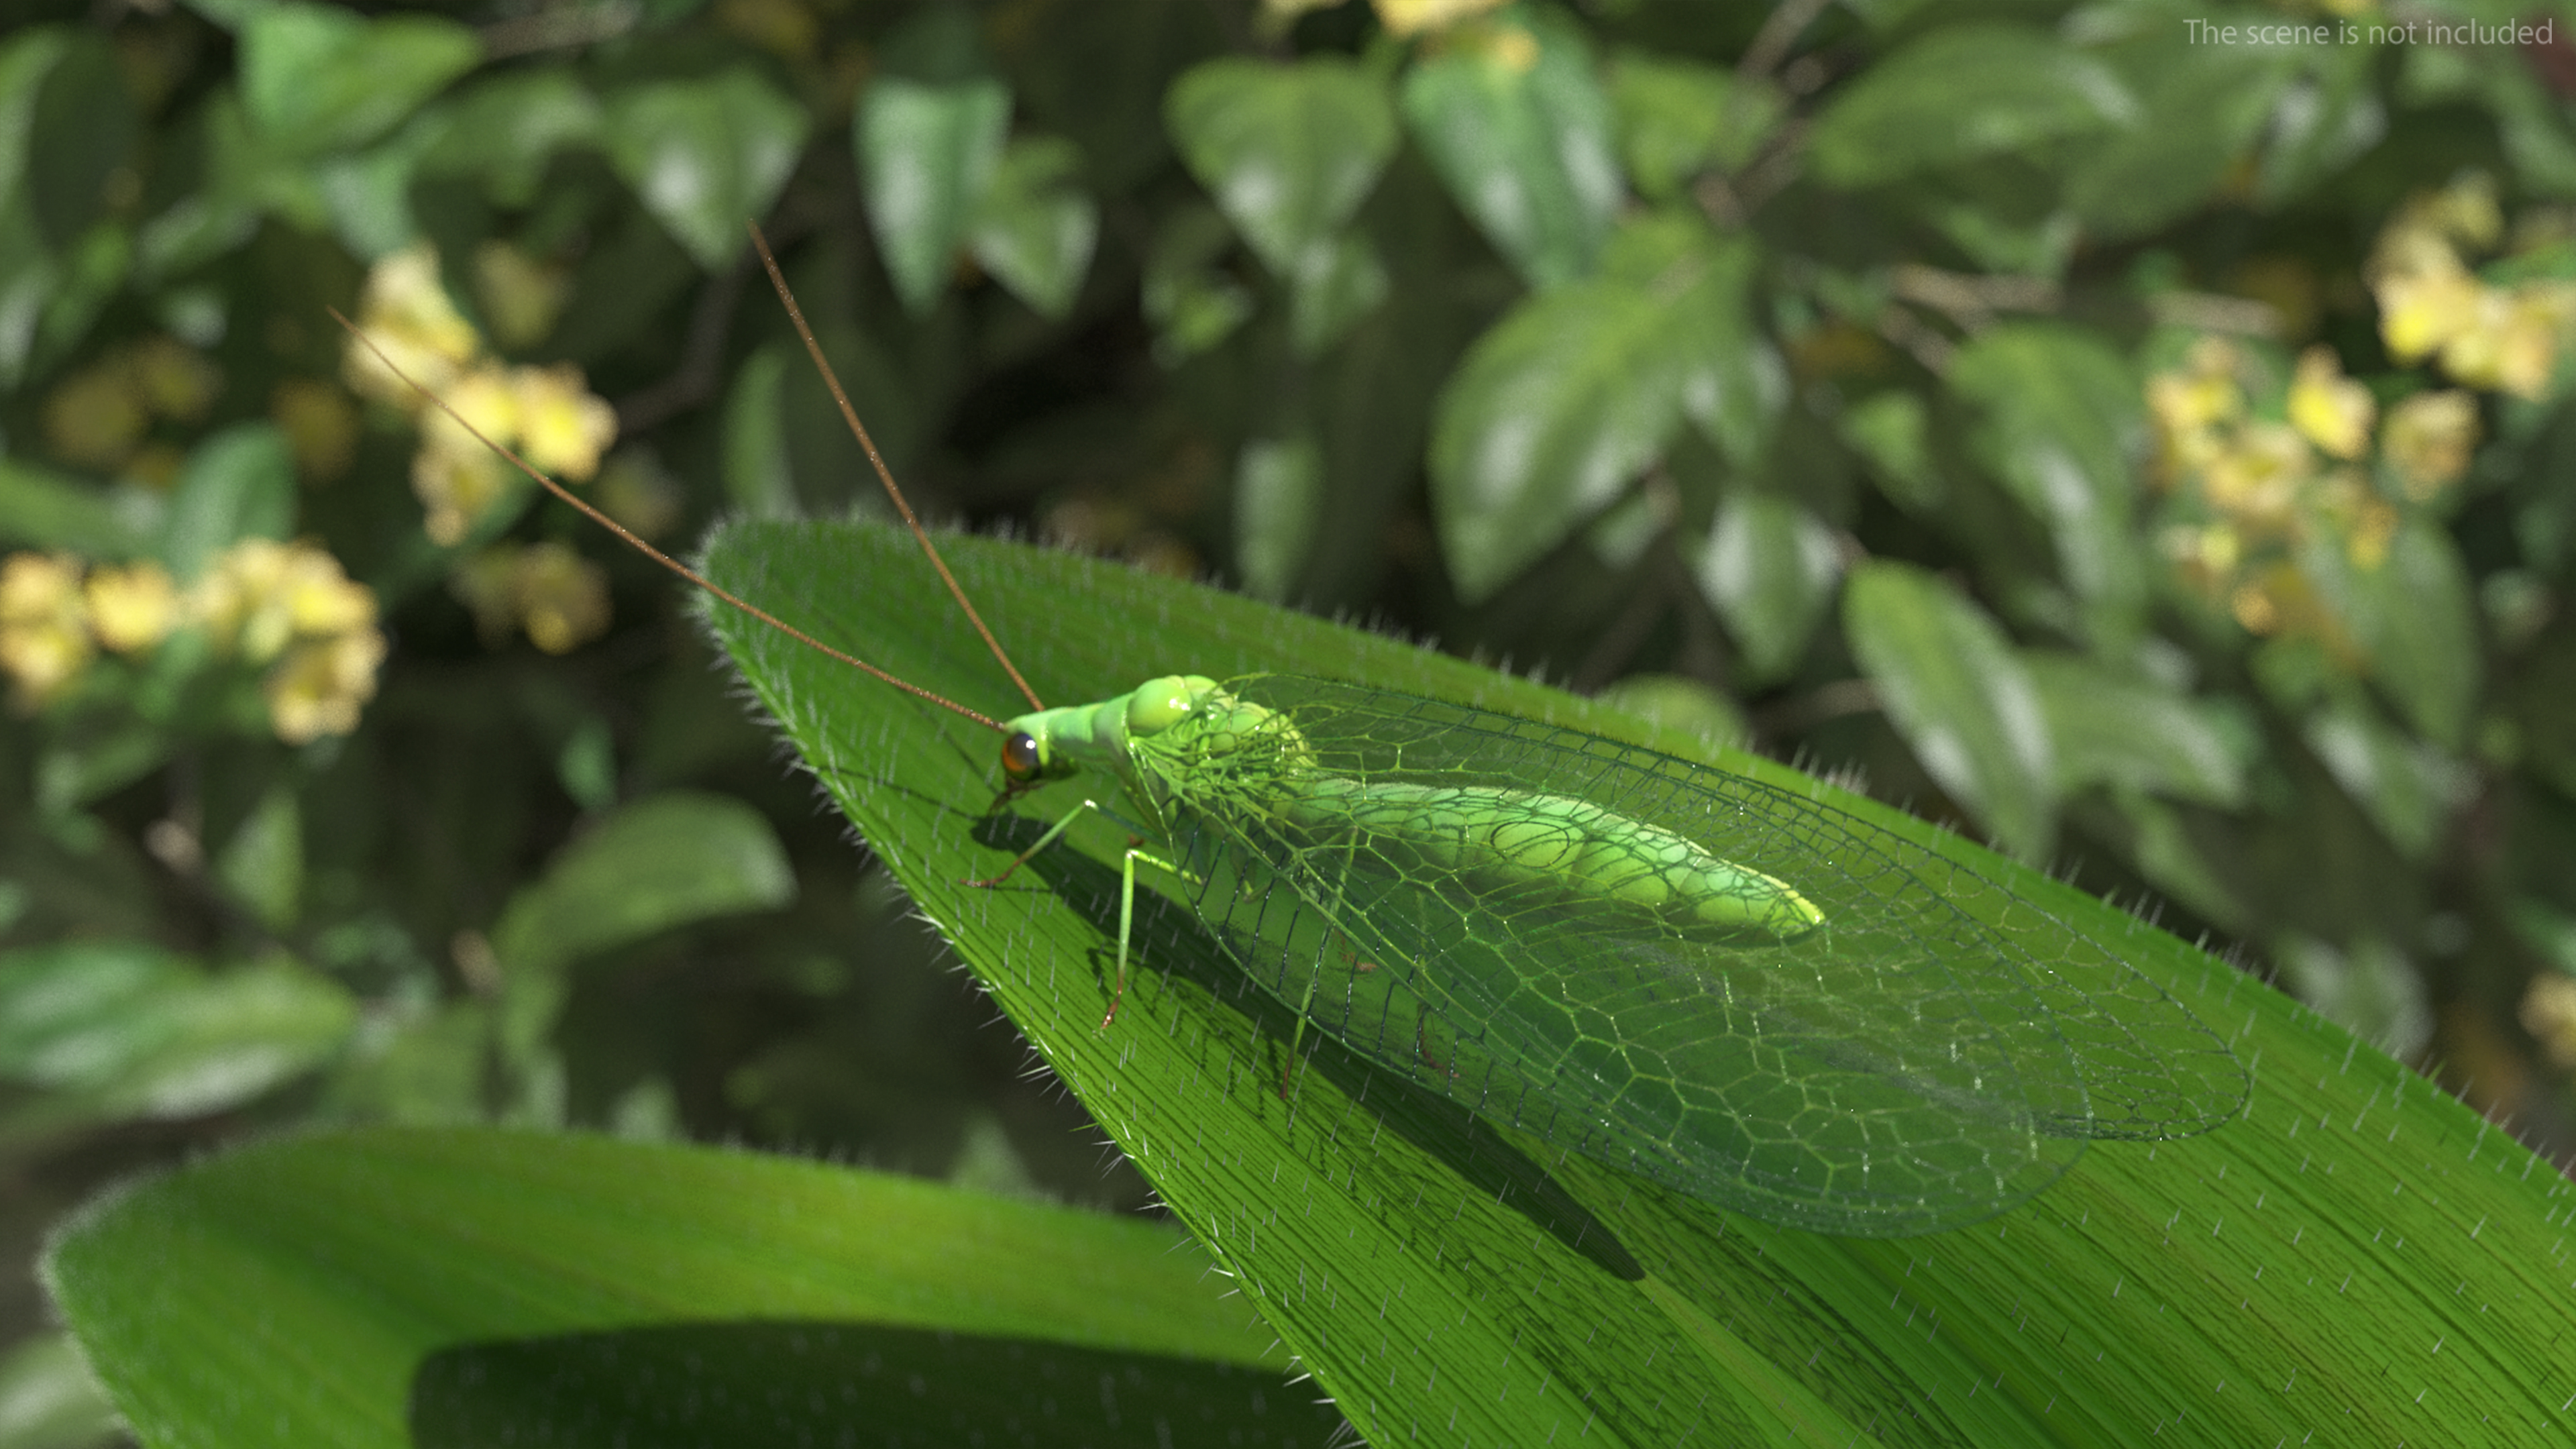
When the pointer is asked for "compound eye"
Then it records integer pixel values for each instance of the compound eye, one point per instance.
(1020, 760)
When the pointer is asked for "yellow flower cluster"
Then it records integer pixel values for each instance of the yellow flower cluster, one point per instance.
(2261, 486)
(99, 417)
(548, 414)
(285, 606)
(556, 595)
(2494, 338)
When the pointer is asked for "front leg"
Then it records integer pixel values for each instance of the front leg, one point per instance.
(1126, 887)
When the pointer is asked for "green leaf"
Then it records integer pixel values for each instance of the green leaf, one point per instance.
(2204, 107)
(929, 132)
(317, 78)
(2113, 729)
(1893, 431)
(503, 131)
(663, 861)
(2370, 990)
(1959, 695)
(238, 484)
(2407, 787)
(1561, 404)
(262, 865)
(1770, 568)
(706, 155)
(1431, 1270)
(1519, 130)
(42, 509)
(25, 61)
(1678, 118)
(81, 132)
(1677, 702)
(479, 1287)
(2322, 122)
(1278, 499)
(2063, 428)
(1288, 151)
(120, 1030)
(1961, 93)
(1193, 303)
(1036, 229)
(2412, 615)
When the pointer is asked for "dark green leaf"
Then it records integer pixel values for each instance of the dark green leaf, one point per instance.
(120, 1030)
(2322, 122)
(1770, 568)
(2205, 106)
(1036, 228)
(238, 484)
(1520, 131)
(25, 60)
(1288, 151)
(2411, 614)
(2113, 729)
(1368, 1232)
(2064, 427)
(81, 134)
(1678, 118)
(1960, 93)
(477, 1287)
(1960, 696)
(706, 155)
(318, 78)
(929, 132)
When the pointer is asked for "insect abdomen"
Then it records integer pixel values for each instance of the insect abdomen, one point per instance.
(1502, 839)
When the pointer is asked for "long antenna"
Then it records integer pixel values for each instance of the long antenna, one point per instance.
(885, 475)
(664, 559)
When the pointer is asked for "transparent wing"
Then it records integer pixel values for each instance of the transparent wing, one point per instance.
(1937, 1050)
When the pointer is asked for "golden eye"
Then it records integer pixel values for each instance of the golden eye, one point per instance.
(1020, 758)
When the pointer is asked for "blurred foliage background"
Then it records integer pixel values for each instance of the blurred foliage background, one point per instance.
(2137, 432)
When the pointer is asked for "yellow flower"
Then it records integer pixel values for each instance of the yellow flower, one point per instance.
(176, 381)
(44, 634)
(2334, 411)
(2549, 1014)
(2514, 345)
(2256, 480)
(558, 596)
(2465, 211)
(318, 598)
(133, 608)
(1404, 18)
(320, 687)
(320, 425)
(2427, 303)
(406, 312)
(2428, 440)
(2365, 520)
(2205, 556)
(563, 427)
(455, 486)
(95, 417)
(563, 598)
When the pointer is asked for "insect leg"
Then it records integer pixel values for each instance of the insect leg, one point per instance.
(1127, 917)
(1054, 832)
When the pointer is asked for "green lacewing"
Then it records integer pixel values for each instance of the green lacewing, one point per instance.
(1739, 991)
